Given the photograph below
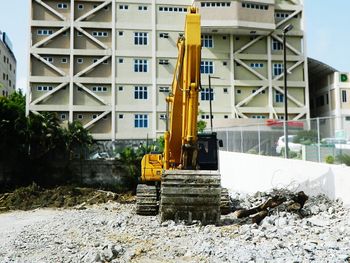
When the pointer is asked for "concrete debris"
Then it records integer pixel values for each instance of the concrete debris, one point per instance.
(69, 235)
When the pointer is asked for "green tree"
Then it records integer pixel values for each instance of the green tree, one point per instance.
(201, 125)
(76, 139)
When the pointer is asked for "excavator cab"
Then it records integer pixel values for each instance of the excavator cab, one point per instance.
(208, 151)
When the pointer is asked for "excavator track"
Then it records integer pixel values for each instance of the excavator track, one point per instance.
(146, 200)
(190, 195)
(225, 202)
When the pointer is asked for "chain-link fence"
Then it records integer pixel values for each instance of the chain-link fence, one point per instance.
(325, 139)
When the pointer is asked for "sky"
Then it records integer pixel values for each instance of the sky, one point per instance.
(327, 23)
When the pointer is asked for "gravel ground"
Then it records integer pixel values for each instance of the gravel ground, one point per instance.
(112, 232)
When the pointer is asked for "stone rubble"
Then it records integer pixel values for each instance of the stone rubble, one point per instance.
(113, 232)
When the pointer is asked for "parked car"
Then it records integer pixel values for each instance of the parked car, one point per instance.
(335, 142)
(294, 147)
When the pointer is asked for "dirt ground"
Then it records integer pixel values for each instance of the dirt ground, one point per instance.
(33, 196)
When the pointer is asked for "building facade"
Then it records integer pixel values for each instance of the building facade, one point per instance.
(330, 96)
(109, 64)
(7, 66)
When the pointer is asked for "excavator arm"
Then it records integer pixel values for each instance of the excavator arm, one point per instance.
(181, 140)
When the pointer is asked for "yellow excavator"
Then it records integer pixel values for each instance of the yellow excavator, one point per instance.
(183, 182)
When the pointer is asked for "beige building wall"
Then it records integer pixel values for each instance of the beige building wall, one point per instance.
(7, 69)
(111, 67)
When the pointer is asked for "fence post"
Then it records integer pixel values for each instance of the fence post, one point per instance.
(318, 139)
(226, 140)
(285, 139)
(241, 139)
(259, 139)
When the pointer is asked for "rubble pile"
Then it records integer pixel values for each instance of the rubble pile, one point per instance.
(33, 196)
(112, 232)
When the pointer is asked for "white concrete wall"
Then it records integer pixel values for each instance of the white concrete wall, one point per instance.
(250, 173)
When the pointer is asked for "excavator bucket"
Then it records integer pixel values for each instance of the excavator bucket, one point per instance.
(188, 195)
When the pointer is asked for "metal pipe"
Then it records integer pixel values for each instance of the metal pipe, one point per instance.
(285, 30)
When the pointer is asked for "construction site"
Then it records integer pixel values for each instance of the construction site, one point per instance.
(95, 190)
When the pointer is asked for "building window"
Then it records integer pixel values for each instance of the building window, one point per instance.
(140, 65)
(44, 32)
(142, 8)
(281, 15)
(64, 60)
(276, 45)
(205, 94)
(224, 63)
(140, 38)
(80, 61)
(48, 59)
(141, 121)
(207, 41)
(121, 33)
(81, 7)
(207, 67)
(255, 6)
(238, 91)
(120, 88)
(99, 89)
(140, 93)
(121, 116)
(94, 116)
(215, 4)
(277, 69)
(164, 89)
(106, 8)
(65, 33)
(120, 60)
(258, 117)
(163, 62)
(63, 116)
(172, 9)
(206, 116)
(162, 116)
(343, 96)
(164, 35)
(79, 34)
(279, 97)
(94, 60)
(105, 61)
(256, 65)
(123, 7)
(80, 116)
(225, 116)
(62, 6)
(225, 90)
(100, 34)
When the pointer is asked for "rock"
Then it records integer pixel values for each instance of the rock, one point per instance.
(331, 210)
(319, 222)
(281, 222)
(323, 207)
(344, 257)
(315, 210)
(309, 247)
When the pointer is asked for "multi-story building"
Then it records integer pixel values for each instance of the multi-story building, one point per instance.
(330, 96)
(110, 63)
(7, 66)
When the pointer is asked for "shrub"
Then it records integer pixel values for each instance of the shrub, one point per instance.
(344, 158)
(330, 159)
